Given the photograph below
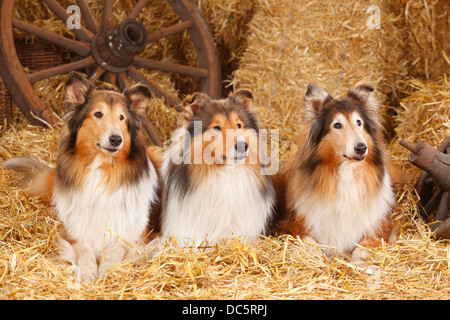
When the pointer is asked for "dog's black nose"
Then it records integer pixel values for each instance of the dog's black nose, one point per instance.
(115, 140)
(241, 146)
(360, 148)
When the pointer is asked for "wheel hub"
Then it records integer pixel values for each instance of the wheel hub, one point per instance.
(114, 49)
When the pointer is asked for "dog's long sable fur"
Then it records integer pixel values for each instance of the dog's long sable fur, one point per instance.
(104, 183)
(338, 182)
(207, 201)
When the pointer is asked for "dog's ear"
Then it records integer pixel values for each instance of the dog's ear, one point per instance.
(192, 105)
(76, 89)
(315, 98)
(244, 97)
(364, 92)
(138, 97)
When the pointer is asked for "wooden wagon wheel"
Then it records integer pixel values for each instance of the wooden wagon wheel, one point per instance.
(107, 51)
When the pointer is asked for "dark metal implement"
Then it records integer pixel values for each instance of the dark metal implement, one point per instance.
(433, 185)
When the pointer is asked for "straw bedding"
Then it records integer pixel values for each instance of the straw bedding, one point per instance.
(276, 52)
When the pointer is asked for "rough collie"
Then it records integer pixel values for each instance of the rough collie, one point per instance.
(215, 182)
(338, 191)
(104, 182)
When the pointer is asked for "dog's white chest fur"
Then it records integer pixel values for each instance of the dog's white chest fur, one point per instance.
(228, 203)
(344, 221)
(96, 217)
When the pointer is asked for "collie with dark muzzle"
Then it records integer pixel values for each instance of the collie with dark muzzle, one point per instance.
(104, 183)
(339, 190)
(214, 177)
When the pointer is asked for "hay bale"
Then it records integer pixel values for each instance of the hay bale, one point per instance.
(229, 25)
(424, 115)
(424, 25)
(326, 43)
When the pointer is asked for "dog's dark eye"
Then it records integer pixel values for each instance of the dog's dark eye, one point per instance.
(121, 117)
(337, 125)
(239, 125)
(217, 128)
(98, 114)
(359, 123)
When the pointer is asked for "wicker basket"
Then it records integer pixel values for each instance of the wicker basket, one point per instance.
(34, 54)
(38, 54)
(5, 107)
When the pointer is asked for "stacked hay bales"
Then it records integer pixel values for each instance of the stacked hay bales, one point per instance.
(423, 115)
(229, 24)
(424, 27)
(334, 45)
(423, 107)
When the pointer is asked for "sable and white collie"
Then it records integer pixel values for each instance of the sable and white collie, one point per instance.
(104, 182)
(214, 182)
(338, 191)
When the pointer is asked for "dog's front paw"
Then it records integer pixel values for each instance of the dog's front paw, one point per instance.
(360, 255)
(86, 275)
(313, 247)
(104, 267)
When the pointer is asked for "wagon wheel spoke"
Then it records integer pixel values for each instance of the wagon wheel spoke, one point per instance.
(152, 132)
(137, 9)
(122, 81)
(169, 31)
(64, 68)
(107, 14)
(110, 77)
(76, 46)
(170, 67)
(163, 33)
(138, 76)
(91, 22)
(60, 12)
(96, 74)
